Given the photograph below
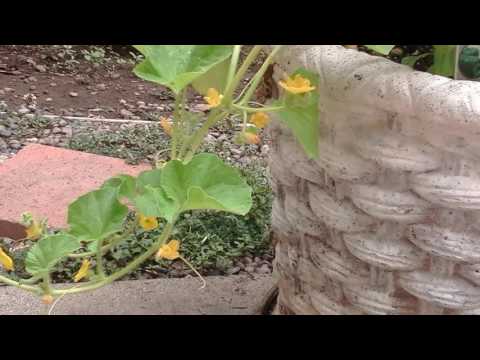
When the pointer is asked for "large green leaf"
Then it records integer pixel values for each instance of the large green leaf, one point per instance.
(150, 177)
(301, 115)
(381, 49)
(215, 78)
(153, 201)
(43, 256)
(204, 183)
(124, 184)
(96, 215)
(207, 183)
(177, 66)
(444, 57)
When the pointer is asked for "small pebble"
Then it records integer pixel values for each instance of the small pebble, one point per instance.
(234, 271)
(126, 113)
(41, 68)
(23, 110)
(264, 269)
(250, 269)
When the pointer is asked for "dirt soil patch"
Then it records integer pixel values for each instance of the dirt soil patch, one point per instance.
(72, 85)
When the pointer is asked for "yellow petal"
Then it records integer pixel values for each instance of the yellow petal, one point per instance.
(6, 260)
(148, 223)
(252, 139)
(82, 272)
(297, 85)
(213, 98)
(47, 299)
(34, 231)
(166, 125)
(260, 119)
(169, 251)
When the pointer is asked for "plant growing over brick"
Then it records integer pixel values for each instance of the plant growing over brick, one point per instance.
(98, 221)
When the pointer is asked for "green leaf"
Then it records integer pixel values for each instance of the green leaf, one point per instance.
(444, 58)
(381, 49)
(96, 215)
(215, 78)
(43, 256)
(124, 184)
(301, 115)
(150, 177)
(153, 201)
(206, 183)
(177, 66)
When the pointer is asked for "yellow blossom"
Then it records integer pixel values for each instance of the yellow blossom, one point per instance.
(47, 299)
(148, 223)
(34, 231)
(297, 85)
(213, 98)
(169, 251)
(260, 119)
(82, 272)
(6, 260)
(166, 124)
(251, 139)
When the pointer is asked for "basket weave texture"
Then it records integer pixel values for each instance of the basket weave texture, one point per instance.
(387, 219)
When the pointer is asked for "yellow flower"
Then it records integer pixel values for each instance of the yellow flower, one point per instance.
(148, 223)
(6, 260)
(260, 119)
(213, 98)
(47, 299)
(166, 124)
(34, 231)
(251, 139)
(82, 272)
(297, 85)
(169, 251)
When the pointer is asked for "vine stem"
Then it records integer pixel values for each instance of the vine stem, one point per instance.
(202, 132)
(233, 65)
(11, 282)
(261, 109)
(259, 75)
(46, 284)
(202, 280)
(99, 258)
(241, 73)
(176, 119)
(129, 268)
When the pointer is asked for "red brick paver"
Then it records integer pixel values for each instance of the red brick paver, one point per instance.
(45, 180)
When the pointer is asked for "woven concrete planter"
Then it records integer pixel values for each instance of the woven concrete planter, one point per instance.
(387, 220)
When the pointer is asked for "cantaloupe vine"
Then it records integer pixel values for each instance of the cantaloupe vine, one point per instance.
(98, 221)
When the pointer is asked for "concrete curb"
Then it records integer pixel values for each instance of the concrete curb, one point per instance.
(232, 295)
